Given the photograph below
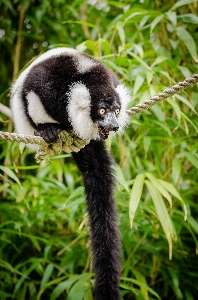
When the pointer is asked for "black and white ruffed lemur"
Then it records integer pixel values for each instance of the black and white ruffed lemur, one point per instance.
(64, 89)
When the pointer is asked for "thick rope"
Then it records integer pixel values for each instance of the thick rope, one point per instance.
(69, 142)
(15, 137)
(164, 95)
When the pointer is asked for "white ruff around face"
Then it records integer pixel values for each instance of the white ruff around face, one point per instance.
(79, 112)
(123, 117)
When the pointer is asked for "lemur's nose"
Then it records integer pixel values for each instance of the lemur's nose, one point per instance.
(112, 123)
(115, 128)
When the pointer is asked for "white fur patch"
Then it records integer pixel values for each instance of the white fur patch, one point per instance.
(21, 121)
(79, 112)
(84, 63)
(54, 52)
(37, 111)
(123, 117)
(22, 124)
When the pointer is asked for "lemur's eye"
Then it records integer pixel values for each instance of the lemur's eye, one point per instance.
(117, 111)
(102, 111)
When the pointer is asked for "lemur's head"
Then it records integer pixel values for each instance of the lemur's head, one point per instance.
(93, 113)
(105, 110)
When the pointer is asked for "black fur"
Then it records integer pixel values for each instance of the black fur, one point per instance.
(95, 163)
(53, 78)
(50, 81)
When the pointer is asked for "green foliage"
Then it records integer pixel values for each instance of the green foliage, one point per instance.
(44, 249)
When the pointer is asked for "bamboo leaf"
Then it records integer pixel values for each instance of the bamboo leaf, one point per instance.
(81, 23)
(114, 67)
(175, 285)
(63, 286)
(159, 187)
(175, 107)
(120, 177)
(138, 83)
(186, 102)
(176, 170)
(50, 284)
(146, 143)
(162, 214)
(121, 32)
(11, 174)
(134, 14)
(156, 21)
(139, 49)
(158, 61)
(188, 18)
(26, 273)
(192, 158)
(185, 71)
(135, 196)
(141, 284)
(78, 289)
(4, 264)
(8, 4)
(172, 17)
(149, 76)
(175, 193)
(141, 61)
(140, 277)
(47, 274)
(193, 223)
(181, 3)
(170, 188)
(184, 117)
(189, 41)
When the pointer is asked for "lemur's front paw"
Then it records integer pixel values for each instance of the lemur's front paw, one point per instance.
(49, 132)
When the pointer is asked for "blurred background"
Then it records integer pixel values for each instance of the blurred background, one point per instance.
(44, 248)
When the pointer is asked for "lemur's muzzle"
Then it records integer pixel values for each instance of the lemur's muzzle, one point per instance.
(109, 123)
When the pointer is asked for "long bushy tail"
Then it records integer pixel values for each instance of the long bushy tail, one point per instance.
(95, 163)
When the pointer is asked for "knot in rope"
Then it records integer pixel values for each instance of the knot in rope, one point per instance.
(68, 142)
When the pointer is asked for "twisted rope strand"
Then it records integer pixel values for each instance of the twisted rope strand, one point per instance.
(74, 144)
(27, 139)
(164, 95)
